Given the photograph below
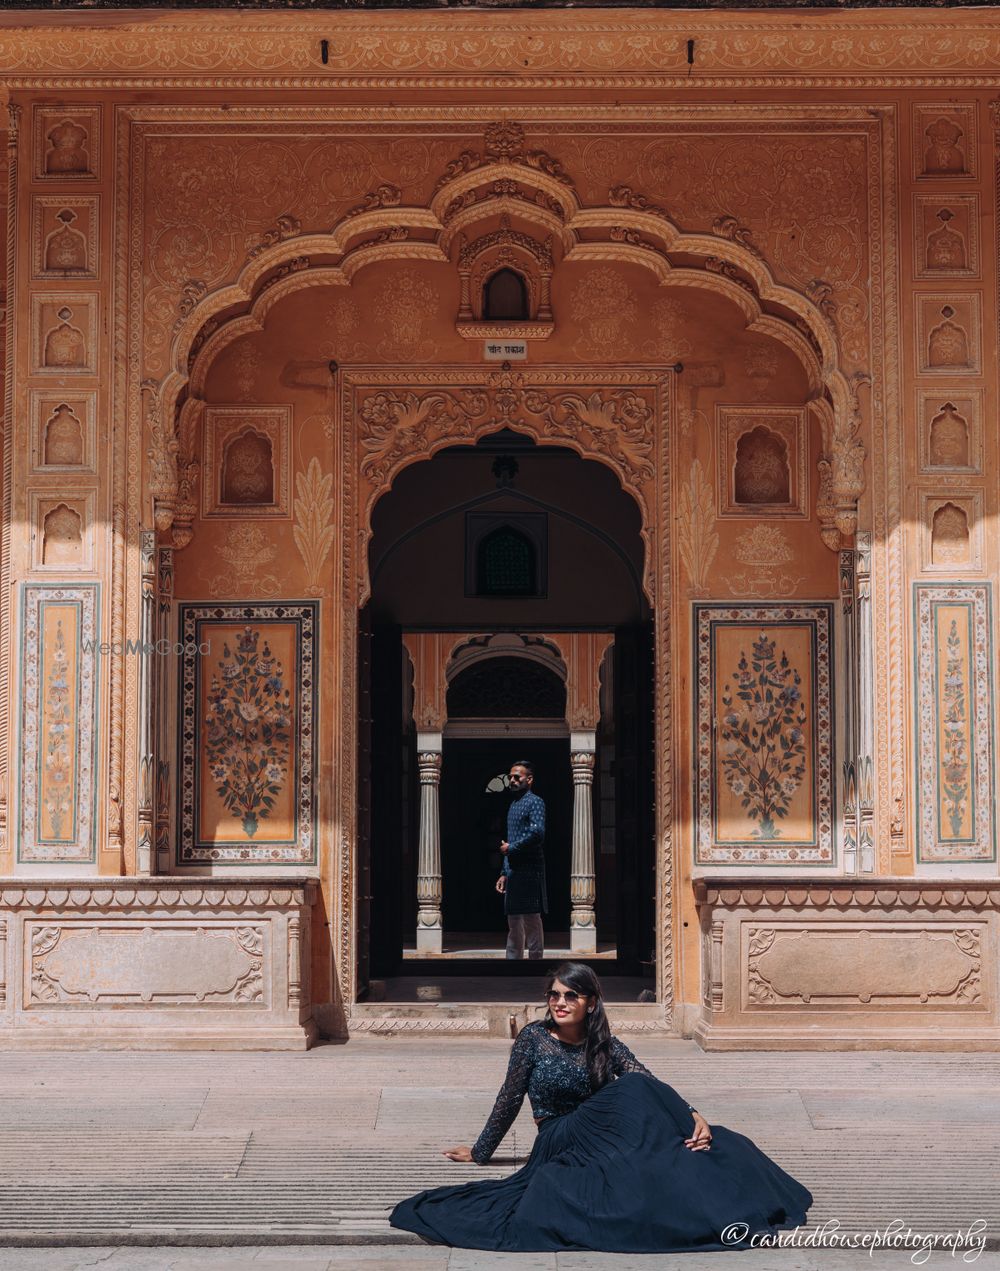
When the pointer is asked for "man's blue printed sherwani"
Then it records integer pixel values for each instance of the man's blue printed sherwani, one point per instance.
(524, 862)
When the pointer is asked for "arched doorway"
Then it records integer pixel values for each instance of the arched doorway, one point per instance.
(466, 677)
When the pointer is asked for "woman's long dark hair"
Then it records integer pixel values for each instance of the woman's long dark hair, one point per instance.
(579, 976)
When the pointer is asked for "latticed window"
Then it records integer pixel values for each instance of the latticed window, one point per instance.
(506, 564)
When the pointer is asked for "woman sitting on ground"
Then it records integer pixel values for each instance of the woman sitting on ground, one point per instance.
(621, 1162)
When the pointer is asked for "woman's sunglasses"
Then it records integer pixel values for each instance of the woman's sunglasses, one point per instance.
(570, 996)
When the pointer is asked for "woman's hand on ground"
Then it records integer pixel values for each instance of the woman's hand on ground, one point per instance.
(458, 1154)
(701, 1139)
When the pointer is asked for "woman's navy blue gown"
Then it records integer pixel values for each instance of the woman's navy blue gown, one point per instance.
(608, 1171)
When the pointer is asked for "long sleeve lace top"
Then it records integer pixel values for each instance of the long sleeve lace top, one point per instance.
(553, 1074)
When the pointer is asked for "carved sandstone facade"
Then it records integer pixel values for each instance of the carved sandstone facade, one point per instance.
(765, 301)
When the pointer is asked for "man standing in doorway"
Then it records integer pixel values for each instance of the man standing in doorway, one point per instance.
(522, 882)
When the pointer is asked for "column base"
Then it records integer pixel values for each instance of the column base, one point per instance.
(430, 940)
(583, 939)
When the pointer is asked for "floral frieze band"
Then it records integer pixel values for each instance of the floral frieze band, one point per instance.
(58, 723)
(247, 744)
(954, 695)
(764, 755)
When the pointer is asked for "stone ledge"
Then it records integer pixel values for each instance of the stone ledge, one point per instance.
(492, 1019)
(906, 964)
(159, 963)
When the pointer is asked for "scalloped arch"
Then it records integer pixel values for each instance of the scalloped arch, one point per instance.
(632, 231)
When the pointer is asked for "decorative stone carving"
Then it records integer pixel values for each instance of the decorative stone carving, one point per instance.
(64, 236)
(949, 431)
(508, 248)
(246, 458)
(823, 963)
(583, 881)
(892, 964)
(64, 334)
(763, 461)
(945, 141)
(697, 539)
(767, 560)
(946, 236)
(62, 439)
(62, 537)
(950, 535)
(160, 962)
(430, 928)
(67, 143)
(313, 530)
(948, 330)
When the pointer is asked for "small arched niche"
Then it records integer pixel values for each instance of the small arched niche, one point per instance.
(247, 475)
(505, 297)
(62, 443)
(762, 476)
(950, 535)
(62, 536)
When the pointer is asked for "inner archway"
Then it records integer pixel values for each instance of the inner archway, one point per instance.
(466, 680)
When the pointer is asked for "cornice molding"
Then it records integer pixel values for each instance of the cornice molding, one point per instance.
(897, 895)
(502, 49)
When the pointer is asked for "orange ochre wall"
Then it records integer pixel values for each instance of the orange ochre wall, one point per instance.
(850, 158)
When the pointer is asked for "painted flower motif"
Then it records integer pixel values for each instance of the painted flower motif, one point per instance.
(247, 738)
(762, 735)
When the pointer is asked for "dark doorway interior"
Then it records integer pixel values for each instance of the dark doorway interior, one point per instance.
(474, 821)
(421, 569)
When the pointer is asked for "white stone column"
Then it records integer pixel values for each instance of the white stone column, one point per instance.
(583, 888)
(430, 930)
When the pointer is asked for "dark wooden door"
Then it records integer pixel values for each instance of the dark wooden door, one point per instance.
(635, 792)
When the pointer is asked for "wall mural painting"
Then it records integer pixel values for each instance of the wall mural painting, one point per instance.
(765, 739)
(58, 723)
(247, 754)
(955, 782)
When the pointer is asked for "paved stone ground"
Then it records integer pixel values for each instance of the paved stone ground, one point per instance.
(298, 1158)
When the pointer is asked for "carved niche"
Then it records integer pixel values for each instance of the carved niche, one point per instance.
(949, 335)
(64, 237)
(506, 279)
(949, 428)
(62, 442)
(946, 236)
(944, 141)
(67, 143)
(61, 535)
(247, 460)
(63, 335)
(951, 536)
(762, 461)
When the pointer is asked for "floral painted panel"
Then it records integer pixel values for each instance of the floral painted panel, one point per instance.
(764, 761)
(955, 781)
(247, 754)
(58, 723)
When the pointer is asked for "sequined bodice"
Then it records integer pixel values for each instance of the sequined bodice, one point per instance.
(553, 1074)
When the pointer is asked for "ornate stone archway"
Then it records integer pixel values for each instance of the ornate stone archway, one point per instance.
(389, 419)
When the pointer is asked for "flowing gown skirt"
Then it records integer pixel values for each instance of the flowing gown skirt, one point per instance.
(615, 1175)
